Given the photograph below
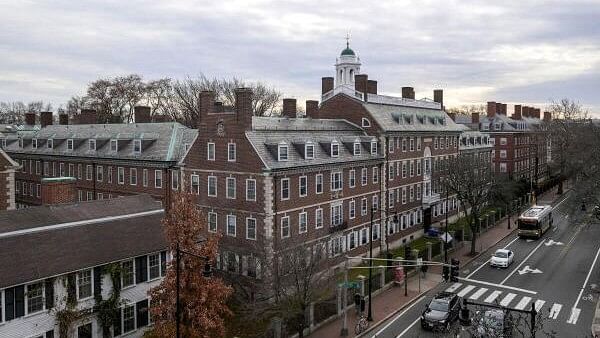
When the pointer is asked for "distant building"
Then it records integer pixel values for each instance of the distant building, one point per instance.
(8, 167)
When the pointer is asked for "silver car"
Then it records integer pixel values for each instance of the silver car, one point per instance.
(502, 258)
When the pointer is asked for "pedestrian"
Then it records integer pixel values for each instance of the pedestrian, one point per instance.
(357, 299)
(424, 268)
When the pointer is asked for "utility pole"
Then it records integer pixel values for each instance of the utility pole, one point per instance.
(446, 234)
(370, 314)
(344, 332)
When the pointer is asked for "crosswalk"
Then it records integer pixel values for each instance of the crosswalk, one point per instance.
(511, 299)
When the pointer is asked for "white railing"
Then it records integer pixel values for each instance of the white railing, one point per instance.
(342, 89)
(400, 101)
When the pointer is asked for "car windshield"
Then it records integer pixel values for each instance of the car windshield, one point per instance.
(438, 305)
(501, 254)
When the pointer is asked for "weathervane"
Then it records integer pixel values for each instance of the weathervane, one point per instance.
(348, 39)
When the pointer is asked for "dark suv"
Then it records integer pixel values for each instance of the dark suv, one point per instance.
(441, 311)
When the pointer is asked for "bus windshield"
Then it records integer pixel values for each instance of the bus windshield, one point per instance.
(528, 225)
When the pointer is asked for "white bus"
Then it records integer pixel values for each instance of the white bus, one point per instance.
(535, 221)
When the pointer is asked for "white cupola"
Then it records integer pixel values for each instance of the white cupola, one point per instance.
(346, 66)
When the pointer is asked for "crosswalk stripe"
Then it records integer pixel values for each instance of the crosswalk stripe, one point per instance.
(523, 303)
(454, 287)
(555, 310)
(538, 304)
(466, 290)
(574, 316)
(508, 299)
(493, 296)
(478, 293)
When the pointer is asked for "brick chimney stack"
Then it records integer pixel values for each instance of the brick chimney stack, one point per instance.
(438, 96)
(372, 87)
(538, 111)
(326, 84)
(58, 190)
(30, 119)
(491, 109)
(475, 118)
(142, 114)
(243, 107)
(547, 116)
(86, 116)
(207, 106)
(63, 119)
(289, 108)
(517, 113)
(408, 93)
(46, 118)
(312, 109)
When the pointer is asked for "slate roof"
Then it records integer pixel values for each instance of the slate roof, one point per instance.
(268, 132)
(160, 141)
(411, 119)
(509, 124)
(38, 252)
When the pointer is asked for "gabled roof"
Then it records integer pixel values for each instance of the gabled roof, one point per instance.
(407, 118)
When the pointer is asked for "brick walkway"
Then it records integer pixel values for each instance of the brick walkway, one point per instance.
(392, 300)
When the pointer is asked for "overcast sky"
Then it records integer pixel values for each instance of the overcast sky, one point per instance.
(508, 51)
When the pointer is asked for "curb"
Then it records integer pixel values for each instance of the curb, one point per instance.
(596, 321)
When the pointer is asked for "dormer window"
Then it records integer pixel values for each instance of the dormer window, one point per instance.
(92, 144)
(34, 143)
(356, 148)
(50, 143)
(309, 151)
(282, 152)
(114, 146)
(70, 144)
(366, 123)
(137, 146)
(335, 149)
(373, 147)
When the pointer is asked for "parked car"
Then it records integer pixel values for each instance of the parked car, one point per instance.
(441, 312)
(493, 323)
(502, 258)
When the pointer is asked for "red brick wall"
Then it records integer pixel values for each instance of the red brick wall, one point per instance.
(58, 192)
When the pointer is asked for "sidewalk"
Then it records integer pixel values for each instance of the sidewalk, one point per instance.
(391, 301)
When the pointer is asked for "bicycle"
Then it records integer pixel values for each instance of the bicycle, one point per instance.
(361, 325)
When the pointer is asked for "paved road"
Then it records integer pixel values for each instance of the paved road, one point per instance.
(559, 273)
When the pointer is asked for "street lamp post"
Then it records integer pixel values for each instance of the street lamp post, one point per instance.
(206, 273)
(446, 234)
(370, 313)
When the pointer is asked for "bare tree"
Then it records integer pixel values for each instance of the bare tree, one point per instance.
(14, 112)
(468, 109)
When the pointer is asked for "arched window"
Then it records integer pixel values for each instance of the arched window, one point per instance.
(366, 122)
(351, 75)
(341, 76)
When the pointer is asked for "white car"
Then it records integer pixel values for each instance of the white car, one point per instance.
(502, 258)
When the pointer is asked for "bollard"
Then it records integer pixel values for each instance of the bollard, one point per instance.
(361, 280)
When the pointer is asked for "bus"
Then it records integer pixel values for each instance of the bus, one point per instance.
(535, 221)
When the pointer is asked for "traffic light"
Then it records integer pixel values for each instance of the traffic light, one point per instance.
(446, 273)
(454, 270)
(465, 315)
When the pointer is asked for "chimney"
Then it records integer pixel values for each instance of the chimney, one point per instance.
(475, 118)
(63, 119)
(438, 96)
(312, 109)
(517, 114)
(326, 84)
(498, 108)
(360, 83)
(452, 116)
(142, 114)
(504, 109)
(161, 118)
(289, 108)
(547, 116)
(408, 93)
(87, 116)
(207, 105)
(525, 112)
(45, 118)
(30, 119)
(58, 190)
(243, 107)
(491, 109)
(538, 111)
(372, 87)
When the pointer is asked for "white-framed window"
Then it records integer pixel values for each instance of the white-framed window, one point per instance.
(154, 266)
(391, 172)
(364, 236)
(212, 221)
(403, 195)
(92, 144)
(351, 209)
(250, 189)
(34, 143)
(158, 178)
(145, 177)
(403, 144)
(418, 167)
(502, 153)
(302, 186)
(418, 192)
(127, 273)
(412, 144)
(391, 145)
(309, 151)
(175, 180)
(364, 206)
(364, 176)
(128, 318)
(114, 146)
(84, 284)
(194, 184)
(373, 147)
(120, 175)
(211, 186)
(49, 143)
(375, 202)
(319, 183)
(231, 225)
(38, 168)
(337, 215)
(285, 226)
(411, 193)
(35, 297)
(302, 222)
(210, 151)
(132, 176)
(352, 178)
(336, 181)
(99, 173)
(231, 152)
(502, 167)
(89, 174)
(285, 188)
(282, 152)
(335, 149)
(391, 198)
(352, 240)
(61, 168)
(411, 168)
(403, 169)
(90, 195)
(318, 218)
(503, 141)
(251, 228)
(357, 148)
(365, 122)
(375, 175)
(230, 192)
(137, 146)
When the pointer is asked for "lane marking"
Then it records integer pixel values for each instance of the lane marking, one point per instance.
(507, 299)
(486, 262)
(408, 328)
(555, 310)
(587, 279)
(499, 286)
(538, 304)
(574, 316)
(523, 303)
(454, 287)
(478, 293)
(466, 290)
(398, 316)
(523, 262)
(493, 296)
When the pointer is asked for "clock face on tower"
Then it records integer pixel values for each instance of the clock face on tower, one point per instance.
(220, 128)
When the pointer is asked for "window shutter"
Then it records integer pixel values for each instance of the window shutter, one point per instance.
(9, 303)
(97, 281)
(117, 322)
(141, 269)
(141, 309)
(49, 290)
(71, 293)
(19, 301)
(163, 263)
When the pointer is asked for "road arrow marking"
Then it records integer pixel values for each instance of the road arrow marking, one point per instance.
(529, 240)
(555, 310)
(527, 269)
(551, 242)
(574, 315)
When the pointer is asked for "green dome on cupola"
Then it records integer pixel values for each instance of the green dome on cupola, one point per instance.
(348, 52)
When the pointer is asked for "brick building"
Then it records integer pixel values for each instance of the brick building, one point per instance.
(8, 167)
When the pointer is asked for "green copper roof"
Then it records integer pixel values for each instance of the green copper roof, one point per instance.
(348, 51)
